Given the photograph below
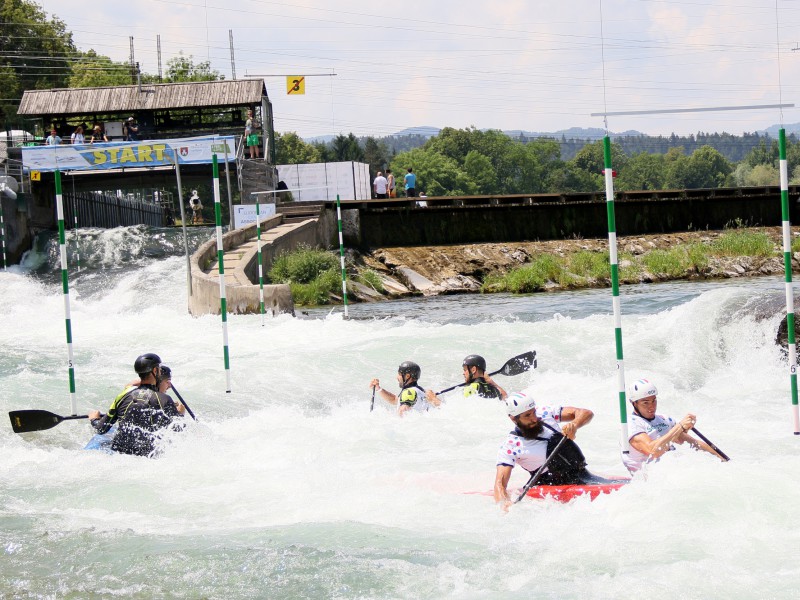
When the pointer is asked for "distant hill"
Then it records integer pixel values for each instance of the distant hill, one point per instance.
(772, 130)
(424, 131)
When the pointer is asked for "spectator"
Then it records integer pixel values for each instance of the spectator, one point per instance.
(53, 139)
(410, 181)
(131, 130)
(77, 136)
(379, 186)
(98, 135)
(251, 137)
(390, 180)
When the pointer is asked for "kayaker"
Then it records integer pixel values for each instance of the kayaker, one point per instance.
(651, 435)
(537, 431)
(411, 396)
(141, 412)
(477, 379)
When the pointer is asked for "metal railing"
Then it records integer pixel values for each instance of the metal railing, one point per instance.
(96, 209)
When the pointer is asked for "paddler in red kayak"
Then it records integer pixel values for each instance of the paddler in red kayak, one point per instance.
(537, 431)
(650, 435)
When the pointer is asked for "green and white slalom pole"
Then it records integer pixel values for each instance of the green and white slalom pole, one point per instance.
(613, 259)
(341, 253)
(787, 263)
(3, 233)
(223, 301)
(260, 265)
(62, 248)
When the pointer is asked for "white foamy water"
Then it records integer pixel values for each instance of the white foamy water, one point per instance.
(290, 487)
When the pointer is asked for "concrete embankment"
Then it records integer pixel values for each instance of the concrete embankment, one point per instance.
(240, 264)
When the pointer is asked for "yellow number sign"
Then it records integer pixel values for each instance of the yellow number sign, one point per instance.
(295, 84)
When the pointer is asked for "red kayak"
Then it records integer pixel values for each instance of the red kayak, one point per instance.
(565, 493)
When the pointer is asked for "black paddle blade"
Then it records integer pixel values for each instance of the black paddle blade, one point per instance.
(520, 364)
(24, 421)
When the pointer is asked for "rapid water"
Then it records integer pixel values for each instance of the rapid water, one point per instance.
(290, 487)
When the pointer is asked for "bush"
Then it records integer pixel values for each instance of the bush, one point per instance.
(672, 263)
(531, 277)
(740, 242)
(303, 265)
(593, 265)
(371, 279)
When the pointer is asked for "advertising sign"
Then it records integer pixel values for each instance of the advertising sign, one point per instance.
(245, 214)
(120, 155)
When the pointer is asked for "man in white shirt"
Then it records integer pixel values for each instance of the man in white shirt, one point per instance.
(650, 435)
(380, 186)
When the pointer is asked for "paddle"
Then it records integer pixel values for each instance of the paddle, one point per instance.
(372, 404)
(186, 406)
(25, 421)
(514, 366)
(535, 477)
(724, 456)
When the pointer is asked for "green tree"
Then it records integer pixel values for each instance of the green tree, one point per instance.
(34, 51)
(346, 147)
(762, 154)
(183, 68)
(590, 159)
(90, 69)
(437, 174)
(642, 171)
(478, 167)
(291, 149)
(375, 154)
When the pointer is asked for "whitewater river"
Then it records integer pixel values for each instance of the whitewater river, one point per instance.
(290, 487)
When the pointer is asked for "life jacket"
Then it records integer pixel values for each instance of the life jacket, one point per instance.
(480, 387)
(142, 413)
(567, 465)
(411, 393)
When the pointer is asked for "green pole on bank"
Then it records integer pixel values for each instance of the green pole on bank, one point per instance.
(612, 254)
(787, 263)
(341, 253)
(260, 265)
(223, 301)
(62, 248)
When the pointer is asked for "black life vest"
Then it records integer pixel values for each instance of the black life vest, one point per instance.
(567, 465)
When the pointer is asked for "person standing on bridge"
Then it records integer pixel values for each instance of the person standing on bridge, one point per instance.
(391, 183)
(410, 181)
(380, 185)
(53, 139)
(251, 137)
(131, 130)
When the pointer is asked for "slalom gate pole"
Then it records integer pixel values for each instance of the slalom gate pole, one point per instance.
(341, 254)
(789, 286)
(260, 265)
(62, 248)
(228, 186)
(3, 233)
(613, 259)
(223, 301)
(183, 226)
(75, 225)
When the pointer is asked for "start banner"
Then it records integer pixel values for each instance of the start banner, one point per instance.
(126, 155)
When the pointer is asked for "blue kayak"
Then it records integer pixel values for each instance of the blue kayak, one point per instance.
(102, 441)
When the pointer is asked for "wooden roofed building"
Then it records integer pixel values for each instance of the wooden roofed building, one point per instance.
(162, 110)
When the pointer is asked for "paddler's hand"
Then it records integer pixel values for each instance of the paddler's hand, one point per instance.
(569, 429)
(375, 384)
(94, 414)
(431, 397)
(180, 407)
(506, 505)
(687, 422)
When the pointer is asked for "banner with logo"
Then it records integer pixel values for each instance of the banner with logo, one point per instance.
(245, 214)
(126, 155)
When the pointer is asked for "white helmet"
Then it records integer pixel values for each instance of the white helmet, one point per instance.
(641, 389)
(518, 403)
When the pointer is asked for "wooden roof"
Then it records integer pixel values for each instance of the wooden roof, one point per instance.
(129, 98)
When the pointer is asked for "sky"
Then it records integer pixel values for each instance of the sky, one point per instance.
(376, 68)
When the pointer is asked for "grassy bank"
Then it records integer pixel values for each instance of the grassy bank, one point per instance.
(587, 268)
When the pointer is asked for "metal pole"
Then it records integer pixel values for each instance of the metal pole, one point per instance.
(260, 265)
(75, 226)
(3, 231)
(789, 286)
(228, 185)
(612, 252)
(223, 301)
(62, 247)
(341, 254)
(183, 226)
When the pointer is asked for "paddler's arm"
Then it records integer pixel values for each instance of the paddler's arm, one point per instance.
(432, 398)
(501, 486)
(488, 379)
(573, 419)
(694, 443)
(660, 446)
(389, 397)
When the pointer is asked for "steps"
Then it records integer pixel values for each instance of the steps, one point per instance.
(296, 212)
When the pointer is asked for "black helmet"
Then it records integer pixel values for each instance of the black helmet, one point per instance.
(146, 363)
(410, 368)
(473, 360)
(166, 373)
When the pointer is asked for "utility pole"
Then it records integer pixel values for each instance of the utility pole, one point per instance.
(233, 60)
